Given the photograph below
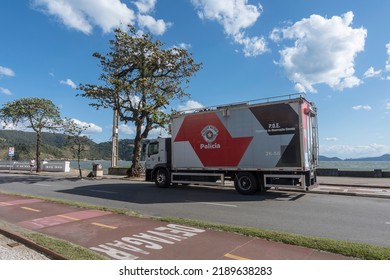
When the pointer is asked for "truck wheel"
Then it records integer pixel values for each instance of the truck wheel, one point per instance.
(162, 179)
(246, 183)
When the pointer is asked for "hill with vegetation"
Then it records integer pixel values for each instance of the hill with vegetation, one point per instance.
(55, 147)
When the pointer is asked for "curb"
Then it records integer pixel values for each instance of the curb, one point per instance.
(355, 186)
(32, 245)
(351, 194)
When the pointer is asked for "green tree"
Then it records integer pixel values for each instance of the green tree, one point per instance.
(36, 113)
(140, 79)
(77, 142)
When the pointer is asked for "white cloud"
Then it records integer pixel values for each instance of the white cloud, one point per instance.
(324, 51)
(157, 27)
(253, 46)
(387, 67)
(358, 151)
(84, 15)
(190, 105)
(381, 74)
(19, 126)
(91, 128)
(184, 46)
(145, 6)
(6, 71)
(68, 82)
(126, 129)
(362, 107)
(371, 73)
(9, 126)
(154, 133)
(5, 91)
(332, 139)
(387, 106)
(158, 132)
(234, 16)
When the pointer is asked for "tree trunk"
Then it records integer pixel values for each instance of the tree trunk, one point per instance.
(136, 168)
(80, 173)
(38, 152)
(78, 161)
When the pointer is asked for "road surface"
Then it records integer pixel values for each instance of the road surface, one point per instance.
(359, 219)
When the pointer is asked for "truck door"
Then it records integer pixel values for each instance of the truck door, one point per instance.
(310, 134)
(152, 155)
(157, 152)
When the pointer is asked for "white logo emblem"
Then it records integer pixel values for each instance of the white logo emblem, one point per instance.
(210, 133)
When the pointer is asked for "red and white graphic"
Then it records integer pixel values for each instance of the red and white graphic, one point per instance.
(211, 141)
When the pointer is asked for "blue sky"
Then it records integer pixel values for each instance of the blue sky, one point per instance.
(338, 52)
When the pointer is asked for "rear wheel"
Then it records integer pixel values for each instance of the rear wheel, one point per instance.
(162, 179)
(246, 183)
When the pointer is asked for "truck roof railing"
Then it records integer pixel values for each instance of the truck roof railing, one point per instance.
(245, 103)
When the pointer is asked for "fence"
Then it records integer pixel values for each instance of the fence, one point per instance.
(60, 166)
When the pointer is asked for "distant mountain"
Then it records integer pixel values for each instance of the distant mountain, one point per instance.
(324, 158)
(54, 147)
(385, 157)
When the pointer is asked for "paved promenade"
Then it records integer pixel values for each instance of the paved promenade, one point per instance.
(354, 186)
(89, 228)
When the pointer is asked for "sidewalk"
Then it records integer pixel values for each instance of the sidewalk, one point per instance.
(355, 181)
(354, 186)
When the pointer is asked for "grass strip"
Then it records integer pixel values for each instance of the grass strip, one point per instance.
(64, 248)
(346, 248)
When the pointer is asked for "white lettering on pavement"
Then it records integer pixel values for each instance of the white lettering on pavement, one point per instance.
(129, 247)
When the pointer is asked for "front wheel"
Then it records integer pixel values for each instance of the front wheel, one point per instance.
(246, 183)
(162, 179)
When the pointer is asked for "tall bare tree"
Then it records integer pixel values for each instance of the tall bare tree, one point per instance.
(140, 78)
(76, 140)
(39, 114)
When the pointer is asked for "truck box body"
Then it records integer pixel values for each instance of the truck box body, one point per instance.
(258, 146)
(271, 136)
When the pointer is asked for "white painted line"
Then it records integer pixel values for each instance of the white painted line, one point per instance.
(43, 185)
(212, 203)
(103, 191)
(387, 223)
(219, 204)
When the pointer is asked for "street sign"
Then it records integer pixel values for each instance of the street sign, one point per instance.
(11, 151)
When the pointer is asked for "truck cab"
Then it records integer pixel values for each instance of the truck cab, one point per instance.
(158, 161)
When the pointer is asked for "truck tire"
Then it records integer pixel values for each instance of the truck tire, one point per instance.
(246, 183)
(161, 179)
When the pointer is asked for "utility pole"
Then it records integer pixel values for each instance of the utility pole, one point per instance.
(115, 141)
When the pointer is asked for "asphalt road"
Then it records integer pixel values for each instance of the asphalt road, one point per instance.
(359, 219)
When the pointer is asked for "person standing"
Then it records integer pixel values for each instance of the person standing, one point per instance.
(32, 164)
